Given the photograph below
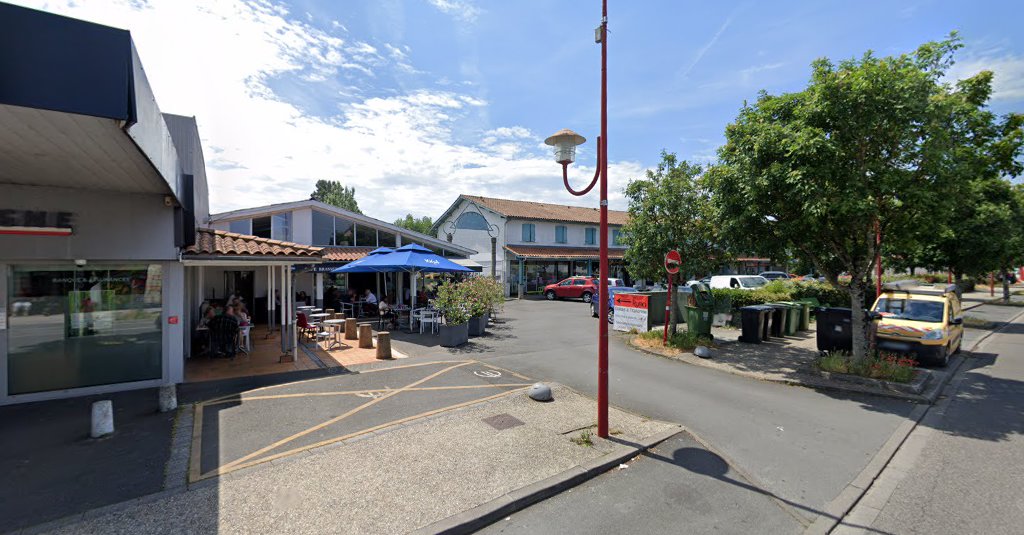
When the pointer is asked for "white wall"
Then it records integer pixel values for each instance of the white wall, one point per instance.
(478, 240)
(544, 234)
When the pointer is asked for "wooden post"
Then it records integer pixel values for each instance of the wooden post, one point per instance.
(384, 345)
(350, 328)
(365, 336)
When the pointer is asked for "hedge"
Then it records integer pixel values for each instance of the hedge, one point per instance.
(826, 294)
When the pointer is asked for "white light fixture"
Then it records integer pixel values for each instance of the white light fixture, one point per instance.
(564, 141)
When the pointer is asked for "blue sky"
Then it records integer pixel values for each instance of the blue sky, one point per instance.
(414, 102)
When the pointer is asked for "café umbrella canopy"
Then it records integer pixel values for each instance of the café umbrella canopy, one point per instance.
(351, 265)
(410, 258)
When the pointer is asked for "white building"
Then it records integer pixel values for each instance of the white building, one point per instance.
(537, 243)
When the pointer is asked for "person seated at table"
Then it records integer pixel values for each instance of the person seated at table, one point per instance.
(369, 302)
(387, 314)
(301, 297)
(349, 297)
(224, 332)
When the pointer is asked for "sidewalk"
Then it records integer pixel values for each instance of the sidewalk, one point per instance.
(391, 468)
(960, 470)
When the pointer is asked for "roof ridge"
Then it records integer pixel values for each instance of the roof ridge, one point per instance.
(539, 203)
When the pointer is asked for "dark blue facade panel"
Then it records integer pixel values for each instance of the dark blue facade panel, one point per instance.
(57, 63)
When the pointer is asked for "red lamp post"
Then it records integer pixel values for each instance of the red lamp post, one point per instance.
(565, 142)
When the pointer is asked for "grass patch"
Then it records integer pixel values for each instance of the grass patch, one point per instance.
(885, 366)
(683, 339)
(585, 439)
(972, 322)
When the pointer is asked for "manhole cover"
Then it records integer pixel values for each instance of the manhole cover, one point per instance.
(502, 421)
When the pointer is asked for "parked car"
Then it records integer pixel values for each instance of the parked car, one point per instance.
(927, 324)
(572, 288)
(742, 282)
(612, 290)
(774, 275)
(813, 278)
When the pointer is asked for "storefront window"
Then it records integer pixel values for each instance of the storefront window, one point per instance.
(343, 232)
(241, 226)
(581, 268)
(281, 226)
(72, 327)
(261, 227)
(386, 239)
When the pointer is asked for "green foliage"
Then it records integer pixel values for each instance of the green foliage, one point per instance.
(584, 439)
(451, 302)
(669, 209)
(813, 172)
(885, 366)
(421, 225)
(333, 193)
(780, 290)
(483, 294)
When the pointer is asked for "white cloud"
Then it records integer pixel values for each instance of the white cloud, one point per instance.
(1008, 82)
(402, 149)
(460, 9)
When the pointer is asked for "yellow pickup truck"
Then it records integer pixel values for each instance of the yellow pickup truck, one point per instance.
(918, 321)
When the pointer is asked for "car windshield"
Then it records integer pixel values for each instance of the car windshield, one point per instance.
(910, 309)
(753, 282)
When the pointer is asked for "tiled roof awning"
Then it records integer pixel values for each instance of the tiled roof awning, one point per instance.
(345, 254)
(219, 244)
(562, 253)
(548, 212)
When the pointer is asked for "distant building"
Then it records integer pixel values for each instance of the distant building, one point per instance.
(534, 243)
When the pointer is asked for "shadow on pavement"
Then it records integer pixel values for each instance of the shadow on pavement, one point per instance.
(1000, 400)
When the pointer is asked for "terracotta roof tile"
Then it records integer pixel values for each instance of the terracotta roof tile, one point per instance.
(210, 242)
(345, 254)
(548, 212)
(564, 253)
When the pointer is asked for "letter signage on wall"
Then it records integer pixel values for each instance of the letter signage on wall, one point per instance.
(35, 222)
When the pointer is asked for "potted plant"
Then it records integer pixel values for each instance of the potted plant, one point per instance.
(451, 304)
(479, 301)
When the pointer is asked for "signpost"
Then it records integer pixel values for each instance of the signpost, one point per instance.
(672, 260)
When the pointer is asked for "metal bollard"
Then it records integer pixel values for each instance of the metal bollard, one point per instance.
(102, 418)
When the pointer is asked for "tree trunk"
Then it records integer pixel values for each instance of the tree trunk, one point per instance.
(1006, 285)
(858, 325)
(912, 270)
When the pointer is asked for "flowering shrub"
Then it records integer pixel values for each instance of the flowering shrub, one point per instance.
(451, 302)
(885, 366)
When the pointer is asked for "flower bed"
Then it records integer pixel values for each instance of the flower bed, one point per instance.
(886, 366)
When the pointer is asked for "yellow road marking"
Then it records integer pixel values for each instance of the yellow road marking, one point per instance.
(357, 392)
(370, 403)
(235, 395)
(231, 468)
(194, 468)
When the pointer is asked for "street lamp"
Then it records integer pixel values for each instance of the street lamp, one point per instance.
(565, 142)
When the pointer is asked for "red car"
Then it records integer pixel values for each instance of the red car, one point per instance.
(574, 287)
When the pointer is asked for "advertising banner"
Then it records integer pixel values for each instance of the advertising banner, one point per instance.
(630, 312)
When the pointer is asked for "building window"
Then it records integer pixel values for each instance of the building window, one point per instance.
(281, 226)
(323, 228)
(529, 232)
(616, 237)
(366, 236)
(75, 327)
(386, 239)
(261, 227)
(241, 226)
(343, 232)
(591, 237)
(560, 234)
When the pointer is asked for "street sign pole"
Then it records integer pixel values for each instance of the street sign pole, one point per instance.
(672, 261)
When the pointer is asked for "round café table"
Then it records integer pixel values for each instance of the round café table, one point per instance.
(336, 331)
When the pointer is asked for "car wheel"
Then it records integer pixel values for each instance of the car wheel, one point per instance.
(586, 297)
(593, 311)
(942, 359)
(550, 295)
(611, 315)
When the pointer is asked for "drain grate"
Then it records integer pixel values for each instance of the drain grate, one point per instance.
(503, 421)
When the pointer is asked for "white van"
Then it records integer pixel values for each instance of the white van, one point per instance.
(742, 282)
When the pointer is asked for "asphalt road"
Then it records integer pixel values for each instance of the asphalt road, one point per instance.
(802, 445)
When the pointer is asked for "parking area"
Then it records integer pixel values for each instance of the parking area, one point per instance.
(231, 433)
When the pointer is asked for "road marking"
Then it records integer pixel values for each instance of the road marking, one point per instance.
(194, 468)
(342, 417)
(225, 469)
(490, 374)
(360, 393)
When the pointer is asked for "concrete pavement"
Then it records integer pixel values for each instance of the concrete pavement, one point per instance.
(960, 470)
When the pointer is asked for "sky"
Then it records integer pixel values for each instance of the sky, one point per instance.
(414, 102)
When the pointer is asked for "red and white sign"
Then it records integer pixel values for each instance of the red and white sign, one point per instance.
(630, 312)
(672, 261)
(35, 231)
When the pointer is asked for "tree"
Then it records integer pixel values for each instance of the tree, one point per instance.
(421, 225)
(333, 193)
(863, 147)
(669, 209)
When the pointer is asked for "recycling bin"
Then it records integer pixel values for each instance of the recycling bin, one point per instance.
(805, 312)
(835, 329)
(700, 310)
(754, 323)
(793, 317)
(778, 315)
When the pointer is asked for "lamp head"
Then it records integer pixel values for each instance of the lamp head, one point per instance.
(564, 141)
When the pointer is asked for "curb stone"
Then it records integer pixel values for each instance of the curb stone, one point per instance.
(488, 513)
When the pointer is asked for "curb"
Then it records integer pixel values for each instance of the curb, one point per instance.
(838, 509)
(488, 513)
